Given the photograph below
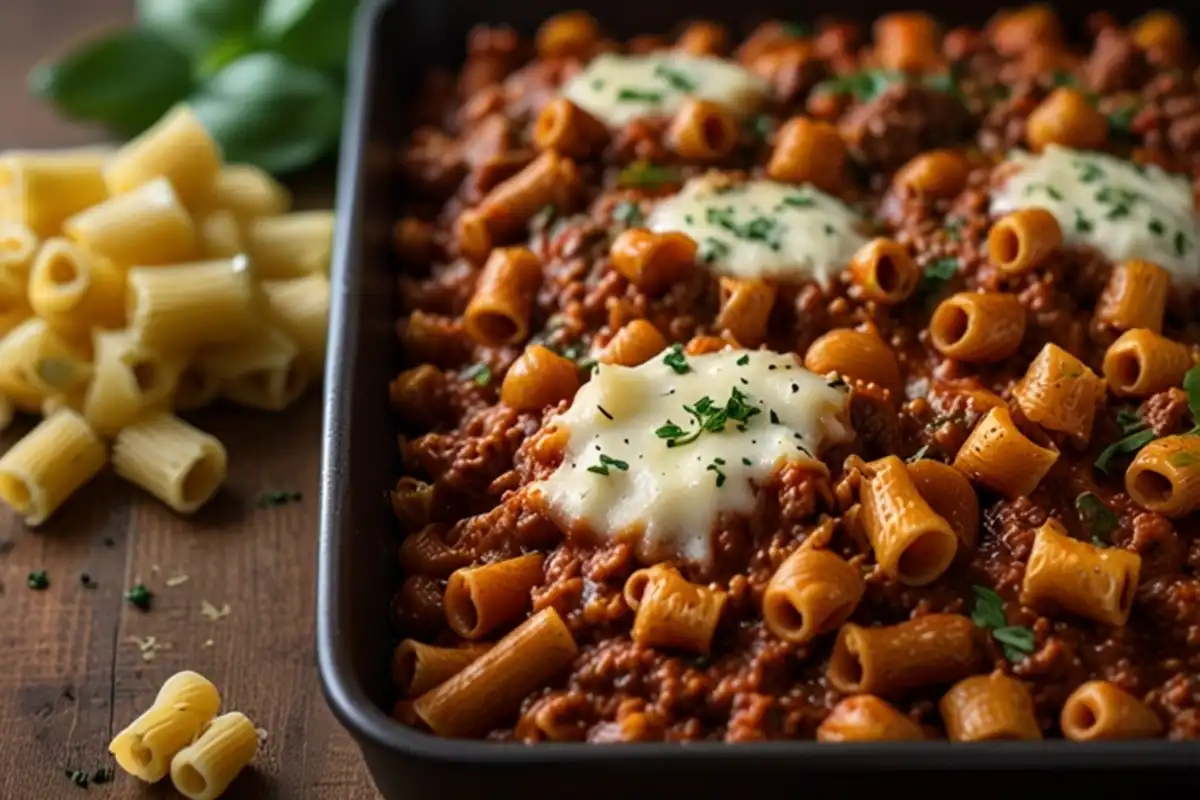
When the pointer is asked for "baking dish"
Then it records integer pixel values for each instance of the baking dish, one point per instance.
(395, 41)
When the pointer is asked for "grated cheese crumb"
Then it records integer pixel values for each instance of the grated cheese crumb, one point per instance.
(177, 580)
(212, 613)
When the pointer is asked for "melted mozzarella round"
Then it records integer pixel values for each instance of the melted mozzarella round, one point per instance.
(1122, 209)
(616, 88)
(763, 229)
(621, 476)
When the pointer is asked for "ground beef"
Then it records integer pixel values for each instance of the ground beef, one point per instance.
(902, 122)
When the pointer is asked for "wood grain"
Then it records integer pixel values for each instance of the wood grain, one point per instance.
(71, 670)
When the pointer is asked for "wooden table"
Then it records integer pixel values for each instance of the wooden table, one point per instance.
(71, 670)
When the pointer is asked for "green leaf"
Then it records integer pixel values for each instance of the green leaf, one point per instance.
(124, 81)
(266, 111)
(1097, 517)
(1191, 385)
(204, 29)
(1129, 420)
(1130, 444)
(311, 32)
(641, 173)
(1015, 640)
(988, 611)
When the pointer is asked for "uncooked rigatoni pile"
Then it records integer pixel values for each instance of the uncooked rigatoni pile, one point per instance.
(139, 282)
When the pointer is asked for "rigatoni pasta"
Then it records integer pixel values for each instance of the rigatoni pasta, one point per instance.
(290, 245)
(174, 461)
(177, 148)
(182, 307)
(204, 769)
(263, 370)
(147, 226)
(185, 704)
(128, 378)
(42, 190)
(75, 292)
(45, 467)
(299, 308)
(248, 192)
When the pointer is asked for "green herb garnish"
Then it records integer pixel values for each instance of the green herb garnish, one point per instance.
(716, 467)
(935, 275)
(744, 360)
(1129, 420)
(278, 497)
(1082, 223)
(798, 201)
(479, 374)
(709, 417)
(1156, 226)
(139, 596)
(712, 249)
(1130, 444)
(38, 580)
(77, 777)
(103, 775)
(627, 213)
(1191, 387)
(953, 227)
(1120, 122)
(641, 173)
(759, 126)
(628, 95)
(1016, 641)
(917, 456)
(676, 359)
(606, 462)
(1182, 243)
(1088, 172)
(675, 79)
(1097, 517)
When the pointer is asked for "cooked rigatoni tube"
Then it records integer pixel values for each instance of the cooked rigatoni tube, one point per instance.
(1001, 457)
(1060, 393)
(811, 593)
(45, 467)
(417, 667)
(204, 769)
(181, 465)
(480, 599)
(220, 235)
(635, 343)
(1099, 710)
(986, 708)
(911, 542)
(935, 648)
(248, 193)
(1141, 363)
(499, 311)
(884, 271)
(185, 704)
(28, 346)
(300, 308)
(183, 307)
(745, 309)
(1065, 574)
(264, 370)
(75, 292)
(857, 355)
(146, 227)
(539, 378)
(128, 379)
(43, 189)
(978, 327)
(672, 612)
(866, 718)
(177, 148)
(291, 245)
(1165, 476)
(1135, 296)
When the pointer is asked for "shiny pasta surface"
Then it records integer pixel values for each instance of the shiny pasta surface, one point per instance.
(535, 243)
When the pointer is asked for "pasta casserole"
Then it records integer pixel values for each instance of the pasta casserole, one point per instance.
(838, 382)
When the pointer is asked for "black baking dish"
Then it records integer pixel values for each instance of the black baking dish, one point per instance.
(394, 42)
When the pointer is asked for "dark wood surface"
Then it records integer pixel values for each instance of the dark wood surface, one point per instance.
(71, 670)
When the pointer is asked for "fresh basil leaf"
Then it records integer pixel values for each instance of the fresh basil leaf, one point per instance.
(1191, 386)
(267, 111)
(1130, 444)
(1097, 517)
(124, 81)
(988, 611)
(314, 33)
(1015, 640)
(204, 29)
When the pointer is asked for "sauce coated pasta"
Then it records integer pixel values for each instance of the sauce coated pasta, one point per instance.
(836, 384)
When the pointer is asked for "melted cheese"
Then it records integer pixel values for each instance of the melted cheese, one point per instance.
(1121, 209)
(668, 498)
(763, 229)
(617, 88)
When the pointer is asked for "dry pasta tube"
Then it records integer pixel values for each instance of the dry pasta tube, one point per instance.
(248, 192)
(128, 379)
(300, 308)
(27, 347)
(1060, 393)
(424, 552)
(979, 328)
(1141, 363)
(935, 648)
(1135, 296)
(1002, 458)
(146, 227)
(1165, 476)
(291, 245)
(204, 769)
(1068, 119)
(937, 173)
(866, 718)
(1077, 577)
(480, 599)
(950, 494)
(811, 593)
(884, 272)
(1022, 240)
(177, 148)
(808, 151)
(18, 247)
(988, 708)
(499, 310)
(183, 307)
(44, 189)
(493, 686)
(417, 668)
(568, 130)
(185, 704)
(911, 542)
(539, 378)
(671, 611)
(74, 292)
(181, 465)
(264, 370)
(746, 309)
(220, 235)
(14, 304)
(1100, 710)
(653, 261)
(45, 467)
(858, 355)
(702, 130)
(636, 343)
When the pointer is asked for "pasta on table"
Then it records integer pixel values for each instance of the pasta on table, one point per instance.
(833, 383)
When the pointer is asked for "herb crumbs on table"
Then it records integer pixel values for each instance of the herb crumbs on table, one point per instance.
(138, 595)
(278, 497)
(38, 580)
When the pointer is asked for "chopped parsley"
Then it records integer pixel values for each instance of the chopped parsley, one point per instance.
(716, 467)
(774, 417)
(77, 777)
(604, 411)
(479, 374)
(829, 230)
(628, 95)
(139, 596)
(1156, 226)
(709, 417)
(1129, 420)
(38, 580)
(676, 359)
(747, 462)
(1120, 122)
(627, 213)
(937, 272)
(1127, 446)
(837, 383)
(1097, 517)
(675, 79)
(798, 201)
(1088, 172)
(744, 360)
(642, 173)
(711, 249)
(598, 83)
(868, 84)
(953, 227)
(1016, 641)
(1082, 223)
(921, 453)
(759, 126)
(606, 462)
(278, 497)
(103, 775)
(1191, 387)
(760, 229)
(1060, 78)
(1119, 200)
(1182, 243)
(1053, 193)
